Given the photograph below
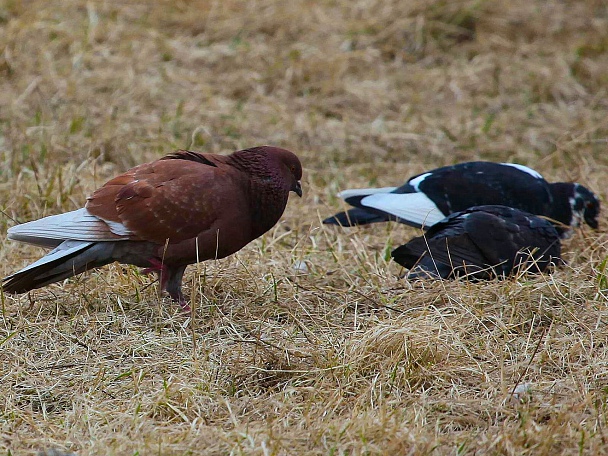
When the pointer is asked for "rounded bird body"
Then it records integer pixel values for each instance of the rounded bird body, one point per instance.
(427, 198)
(163, 215)
(482, 242)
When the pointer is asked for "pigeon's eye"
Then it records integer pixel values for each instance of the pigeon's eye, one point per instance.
(293, 168)
(588, 204)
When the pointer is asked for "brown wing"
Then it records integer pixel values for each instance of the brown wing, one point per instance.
(168, 199)
(102, 202)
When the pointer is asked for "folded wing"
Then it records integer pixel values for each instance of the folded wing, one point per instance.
(165, 200)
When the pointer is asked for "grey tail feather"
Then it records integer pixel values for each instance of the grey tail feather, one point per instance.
(40, 241)
(68, 259)
(355, 216)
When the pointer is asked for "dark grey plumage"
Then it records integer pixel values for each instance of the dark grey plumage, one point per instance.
(482, 242)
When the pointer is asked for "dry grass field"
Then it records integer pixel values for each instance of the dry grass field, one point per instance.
(306, 341)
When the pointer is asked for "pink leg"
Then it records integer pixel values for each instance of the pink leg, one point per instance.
(161, 269)
(170, 280)
(174, 286)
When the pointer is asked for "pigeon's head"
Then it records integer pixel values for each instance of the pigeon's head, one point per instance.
(585, 206)
(287, 166)
(272, 167)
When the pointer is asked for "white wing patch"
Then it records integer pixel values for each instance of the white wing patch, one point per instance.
(364, 191)
(78, 225)
(525, 169)
(415, 182)
(117, 228)
(414, 207)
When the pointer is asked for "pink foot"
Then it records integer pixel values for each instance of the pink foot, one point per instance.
(184, 305)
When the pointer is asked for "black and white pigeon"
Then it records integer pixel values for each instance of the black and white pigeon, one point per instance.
(482, 242)
(427, 198)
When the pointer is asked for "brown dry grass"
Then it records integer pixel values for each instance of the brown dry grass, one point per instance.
(344, 358)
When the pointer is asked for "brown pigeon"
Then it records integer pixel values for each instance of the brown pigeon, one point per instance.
(164, 215)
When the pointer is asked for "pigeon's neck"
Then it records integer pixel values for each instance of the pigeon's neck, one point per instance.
(267, 202)
(561, 208)
(267, 193)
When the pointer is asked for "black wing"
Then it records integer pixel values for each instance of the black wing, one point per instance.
(456, 188)
(484, 241)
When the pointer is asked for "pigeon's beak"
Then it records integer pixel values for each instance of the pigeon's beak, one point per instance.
(592, 222)
(297, 189)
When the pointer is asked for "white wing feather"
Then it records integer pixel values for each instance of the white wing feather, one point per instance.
(414, 207)
(525, 169)
(76, 225)
(364, 191)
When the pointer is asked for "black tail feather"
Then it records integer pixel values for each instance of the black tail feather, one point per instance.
(355, 216)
